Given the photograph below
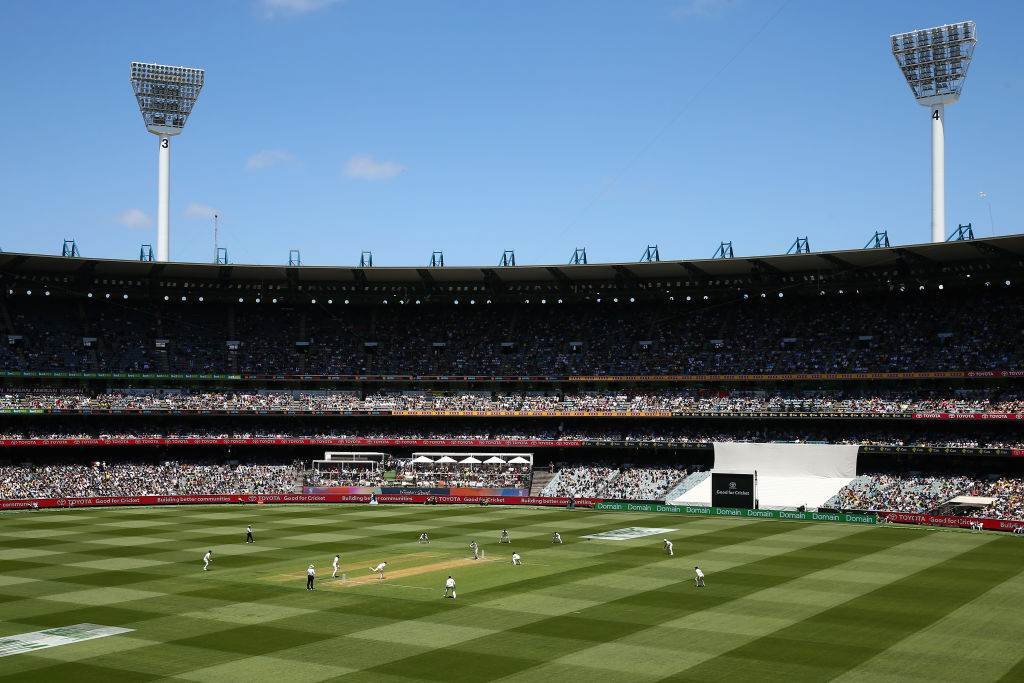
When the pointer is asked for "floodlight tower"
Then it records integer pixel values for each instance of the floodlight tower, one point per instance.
(935, 61)
(166, 95)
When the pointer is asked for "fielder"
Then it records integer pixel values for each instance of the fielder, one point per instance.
(699, 579)
(668, 547)
(248, 535)
(379, 569)
(310, 574)
(476, 550)
(516, 559)
(207, 558)
(556, 537)
(423, 538)
(449, 585)
(335, 565)
(504, 537)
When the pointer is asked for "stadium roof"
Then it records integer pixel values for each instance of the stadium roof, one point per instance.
(1007, 251)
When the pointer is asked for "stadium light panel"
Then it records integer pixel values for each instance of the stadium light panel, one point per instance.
(166, 95)
(935, 61)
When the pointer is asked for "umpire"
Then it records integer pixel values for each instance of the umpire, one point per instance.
(310, 574)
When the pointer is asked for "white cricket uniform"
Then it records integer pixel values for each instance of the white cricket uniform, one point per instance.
(700, 577)
(476, 550)
(668, 547)
(206, 561)
(379, 568)
(557, 538)
(335, 564)
(516, 559)
(449, 585)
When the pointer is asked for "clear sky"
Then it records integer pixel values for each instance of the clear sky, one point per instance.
(408, 126)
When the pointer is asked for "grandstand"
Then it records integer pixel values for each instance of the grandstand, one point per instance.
(640, 370)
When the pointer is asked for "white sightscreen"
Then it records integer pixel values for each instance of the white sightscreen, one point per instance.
(787, 459)
(788, 475)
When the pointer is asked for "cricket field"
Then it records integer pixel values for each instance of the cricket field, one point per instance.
(121, 595)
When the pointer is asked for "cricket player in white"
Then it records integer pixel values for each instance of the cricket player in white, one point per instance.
(248, 535)
(379, 568)
(476, 550)
(310, 575)
(335, 564)
(449, 585)
(504, 537)
(699, 579)
(556, 537)
(516, 559)
(207, 558)
(668, 547)
(423, 538)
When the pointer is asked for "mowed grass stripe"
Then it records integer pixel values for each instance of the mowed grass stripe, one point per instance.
(686, 641)
(650, 570)
(660, 607)
(983, 636)
(617, 560)
(816, 649)
(550, 638)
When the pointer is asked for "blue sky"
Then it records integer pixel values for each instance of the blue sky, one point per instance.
(408, 126)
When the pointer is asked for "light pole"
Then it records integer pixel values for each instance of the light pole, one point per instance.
(166, 95)
(935, 61)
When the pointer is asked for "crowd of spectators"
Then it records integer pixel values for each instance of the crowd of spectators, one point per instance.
(628, 432)
(166, 479)
(664, 402)
(624, 482)
(346, 475)
(582, 481)
(912, 331)
(916, 492)
(469, 476)
(408, 473)
(643, 483)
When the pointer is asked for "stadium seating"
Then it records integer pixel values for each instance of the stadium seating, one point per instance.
(910, 332)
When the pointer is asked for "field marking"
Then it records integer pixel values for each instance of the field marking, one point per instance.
(628, 533)
(52, 637)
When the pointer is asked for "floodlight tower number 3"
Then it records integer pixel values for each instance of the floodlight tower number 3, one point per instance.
(935, 61)
(166, 95)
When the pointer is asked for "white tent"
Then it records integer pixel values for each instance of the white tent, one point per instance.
(471, 460)
(494, 460)
(445, 458)
(422, 458)
(519, 460)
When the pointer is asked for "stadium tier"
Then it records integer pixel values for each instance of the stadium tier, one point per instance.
(937, 308)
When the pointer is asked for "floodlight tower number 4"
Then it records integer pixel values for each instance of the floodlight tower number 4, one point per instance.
(935, 61)
(166, 95)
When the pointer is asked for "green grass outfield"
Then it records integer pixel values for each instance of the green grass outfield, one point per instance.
(784, 600)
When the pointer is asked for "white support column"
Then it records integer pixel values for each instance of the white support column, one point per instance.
(163, 210)
(938, 173)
